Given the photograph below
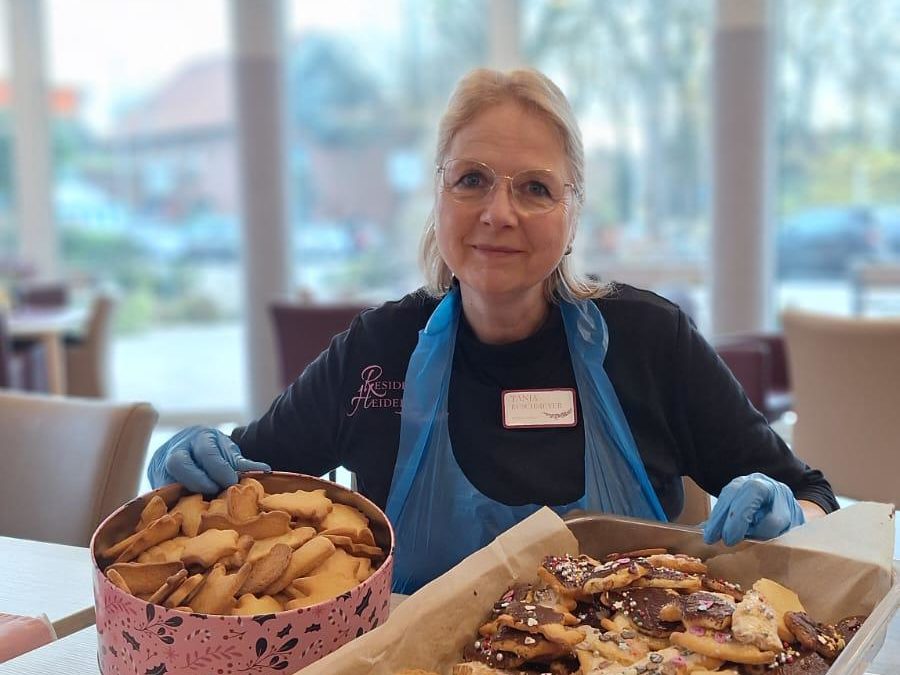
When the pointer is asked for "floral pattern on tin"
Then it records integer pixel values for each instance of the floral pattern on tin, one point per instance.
(137, 638)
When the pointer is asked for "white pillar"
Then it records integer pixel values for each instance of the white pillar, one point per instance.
(38, 240)
(260, 112)
(504, 31)
(742, 251)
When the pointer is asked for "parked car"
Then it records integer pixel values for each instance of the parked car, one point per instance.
(79, 205)
(212, 236)
(889, 223)
(206, 236)
(319, 241)
(826, 242)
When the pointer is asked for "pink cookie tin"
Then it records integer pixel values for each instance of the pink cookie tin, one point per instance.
(139, 638)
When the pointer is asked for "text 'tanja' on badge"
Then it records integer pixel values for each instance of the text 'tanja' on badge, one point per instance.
(538, 408)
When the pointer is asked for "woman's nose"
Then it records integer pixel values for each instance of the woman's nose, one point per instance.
(499, 208)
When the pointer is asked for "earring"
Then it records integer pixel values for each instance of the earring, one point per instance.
(568, 249)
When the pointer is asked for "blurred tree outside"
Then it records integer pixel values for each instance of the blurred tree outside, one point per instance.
(362, 136)
(636, 76)
(838, 103)
(8, 235)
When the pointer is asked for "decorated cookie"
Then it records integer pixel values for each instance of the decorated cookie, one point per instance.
(535, 619)
(781, 599)
(615, 574)
(642, 606)
(754, 623)
(848, 626)
(529, 646)
(483, 651)
(666, 577)
(626, 646)
(716, 585)
(720, 645)
(567, 573)
(591, 612)
(707, 610)
(677, 561)
(825, 639)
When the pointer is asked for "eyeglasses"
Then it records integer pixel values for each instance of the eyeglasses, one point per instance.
(534, 191)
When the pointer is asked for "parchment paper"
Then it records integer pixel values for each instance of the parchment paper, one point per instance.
(838, 565)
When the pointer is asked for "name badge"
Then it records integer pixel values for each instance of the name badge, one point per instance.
(538, 408)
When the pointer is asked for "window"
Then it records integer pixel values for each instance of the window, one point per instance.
(145, 190)
(838, 156)
(636, 74)
(8, 237)
(361, 134)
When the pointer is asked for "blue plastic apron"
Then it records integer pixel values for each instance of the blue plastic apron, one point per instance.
(438, 515)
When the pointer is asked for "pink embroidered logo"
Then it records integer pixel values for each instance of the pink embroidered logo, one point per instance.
(374, 392)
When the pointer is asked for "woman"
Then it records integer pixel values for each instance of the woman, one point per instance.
(510, 382)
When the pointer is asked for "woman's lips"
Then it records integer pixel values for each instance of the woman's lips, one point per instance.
(495, 251)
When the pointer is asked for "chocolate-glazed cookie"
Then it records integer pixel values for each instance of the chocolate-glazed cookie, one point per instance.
(708, 610)
(678, 561)
(517, 593)
(639, 553)
(529, 646)
(615, 574)
(567, 573)
(550, 596)
(849, 625)
(823, 638)
(544, 596)
(534, 619)
(591, 612)
(722, 586)
(807, 663)
(483, 651)
(559, 667)
(666, 577)
(642, 606)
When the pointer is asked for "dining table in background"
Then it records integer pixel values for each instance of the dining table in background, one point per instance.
(49, 326)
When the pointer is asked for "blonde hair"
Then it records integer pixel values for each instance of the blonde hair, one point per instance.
(477, 91)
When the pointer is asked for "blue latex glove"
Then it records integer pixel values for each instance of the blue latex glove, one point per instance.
(752, 506)
(200, 458)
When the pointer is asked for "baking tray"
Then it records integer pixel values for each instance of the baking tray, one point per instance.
(601, 534)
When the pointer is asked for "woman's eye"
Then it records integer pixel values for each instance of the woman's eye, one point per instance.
(537, 189)
(472, 180)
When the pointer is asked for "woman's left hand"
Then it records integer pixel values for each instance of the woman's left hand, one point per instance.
(752, 506)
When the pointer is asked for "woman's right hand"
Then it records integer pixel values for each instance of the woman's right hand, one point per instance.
(202, 459)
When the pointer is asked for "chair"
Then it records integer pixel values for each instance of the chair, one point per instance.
(68, 463)
(759, 362)
(43, 294)
(846, 380)
(87, 358)
(11, 370)
(303, 331)
(22, 362)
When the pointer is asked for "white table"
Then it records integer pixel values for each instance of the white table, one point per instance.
(49, 326)
(40, 578)
(75, 653)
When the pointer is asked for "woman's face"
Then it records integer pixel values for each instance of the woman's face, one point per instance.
(497, 252)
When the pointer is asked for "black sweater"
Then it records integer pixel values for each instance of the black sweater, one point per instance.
(688, 414)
